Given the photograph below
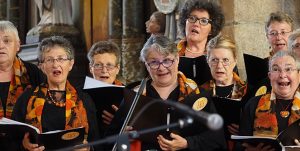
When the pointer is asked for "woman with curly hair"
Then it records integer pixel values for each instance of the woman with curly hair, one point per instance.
(199, 22)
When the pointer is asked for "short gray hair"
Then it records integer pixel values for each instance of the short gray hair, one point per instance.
(292, 38)
(102, 47)
(162, 45)
(9, 27)
(50, 42)
(283, 53)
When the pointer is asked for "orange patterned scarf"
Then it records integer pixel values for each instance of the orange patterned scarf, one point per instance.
(186, 86)
(181, 46)
(117, 82)
(265, 122)
(18, 82)
(75, 112)
(239, 87)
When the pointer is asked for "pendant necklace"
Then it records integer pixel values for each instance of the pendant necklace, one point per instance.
(284, 113)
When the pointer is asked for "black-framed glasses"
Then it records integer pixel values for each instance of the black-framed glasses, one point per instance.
(100, 66)
(202, 21)
(155, 64)
(224, 61)
(275, 33)
(51, 60)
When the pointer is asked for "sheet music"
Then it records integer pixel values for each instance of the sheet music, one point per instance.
(90, 83)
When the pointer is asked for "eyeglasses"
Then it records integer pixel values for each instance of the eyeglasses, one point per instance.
(224, 61)
(156, 64)
(296, 46)
(51, 60)
(202, 21)
(99, 66)
(275, 33)
(287, 70)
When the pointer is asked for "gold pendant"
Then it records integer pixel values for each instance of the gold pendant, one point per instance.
(284, 114)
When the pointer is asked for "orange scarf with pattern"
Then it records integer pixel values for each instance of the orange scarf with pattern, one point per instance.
(239, 87)
(186, 86)
(117, 82)
(265, 122)
(75, 112)
(19, 81)
(181, 46)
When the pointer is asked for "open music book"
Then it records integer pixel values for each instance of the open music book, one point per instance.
(51, 140)
(284, 140)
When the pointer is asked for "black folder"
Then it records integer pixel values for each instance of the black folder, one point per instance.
(256, 69)
(51, 140)
(285, 139)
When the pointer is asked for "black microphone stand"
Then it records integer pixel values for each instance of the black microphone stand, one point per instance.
(132, 107)
(122, 140)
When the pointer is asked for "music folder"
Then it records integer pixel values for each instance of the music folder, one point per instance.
(285, 139)
(51, 140)
(256, 69)
(104, 96)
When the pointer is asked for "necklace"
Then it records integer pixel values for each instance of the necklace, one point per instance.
(59, 103)
(190, 51)
(284, 113)
(225, 97)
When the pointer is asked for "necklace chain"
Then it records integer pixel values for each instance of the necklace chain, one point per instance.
(190, 51)
(284, 112)
(54, 101)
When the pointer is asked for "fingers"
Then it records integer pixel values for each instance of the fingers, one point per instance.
(164, 145)
(115, 108)
(233, 129)
(107, 117)
(128, 128)
(29, 146)
(297, 142)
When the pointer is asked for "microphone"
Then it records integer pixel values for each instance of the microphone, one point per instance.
(212, 121)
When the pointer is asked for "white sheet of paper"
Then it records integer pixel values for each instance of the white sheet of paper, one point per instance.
(90, 83)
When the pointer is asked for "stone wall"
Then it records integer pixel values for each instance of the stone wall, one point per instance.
(245, 21)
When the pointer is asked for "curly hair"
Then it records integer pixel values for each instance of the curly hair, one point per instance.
(215, 14)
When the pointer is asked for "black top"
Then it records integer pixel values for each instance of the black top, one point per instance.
(225, 91)
(55, 121)
(19, 113)
(196, 69)
(4, 88)
(247, 122)
(198, 136)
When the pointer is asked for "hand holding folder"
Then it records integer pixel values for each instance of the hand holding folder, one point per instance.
(51, 140)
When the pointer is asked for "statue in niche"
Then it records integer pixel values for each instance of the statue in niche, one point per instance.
(55, 12)
(56, 19)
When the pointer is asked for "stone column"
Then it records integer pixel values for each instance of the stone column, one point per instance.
(115, 24)
(133, 40)
(245, 24)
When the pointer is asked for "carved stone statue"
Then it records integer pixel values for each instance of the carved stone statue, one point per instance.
(55, 11)
(56, 19)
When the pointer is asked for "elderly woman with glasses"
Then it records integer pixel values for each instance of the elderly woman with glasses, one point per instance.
(167, 83)
(199, 22)
(269, 114)
(278, 28)
(58, 105)
(222, 58)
